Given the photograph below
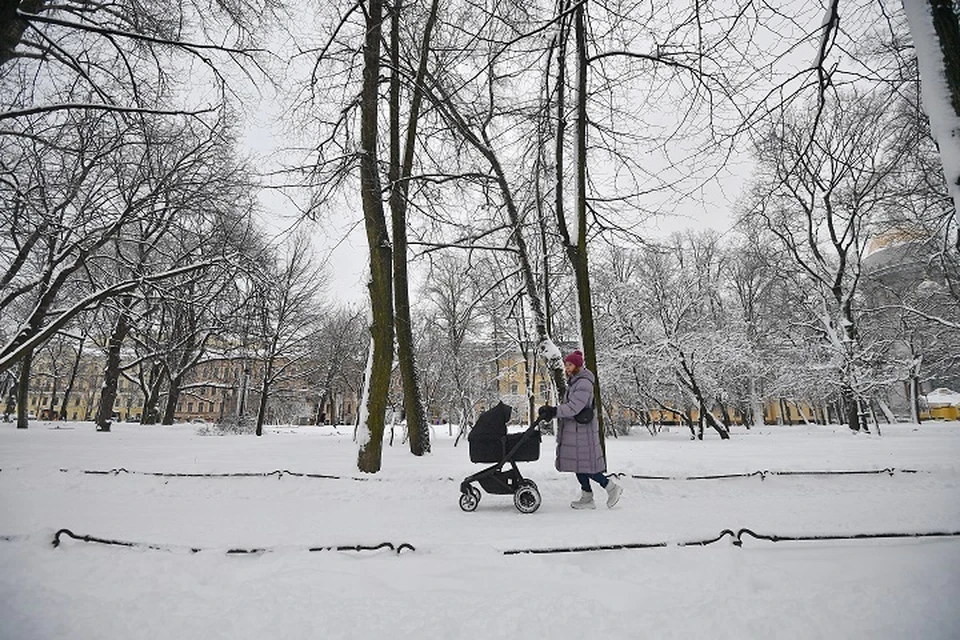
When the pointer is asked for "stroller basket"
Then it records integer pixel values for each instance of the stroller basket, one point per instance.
(490, 450)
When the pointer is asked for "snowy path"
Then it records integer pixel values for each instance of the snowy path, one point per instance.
(458, 583)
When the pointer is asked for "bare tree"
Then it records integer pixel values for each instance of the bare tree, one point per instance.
(822, 188)
(288, 301)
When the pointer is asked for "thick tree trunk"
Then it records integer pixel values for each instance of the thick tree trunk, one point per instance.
(12, 26)
(111, 372)
(23, 389)
(851, 408)
(946, 22)
(418, 432)
(173, 396)
(381, 255)
(151, 397)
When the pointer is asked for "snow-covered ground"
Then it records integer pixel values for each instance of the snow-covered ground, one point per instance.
(458, 583)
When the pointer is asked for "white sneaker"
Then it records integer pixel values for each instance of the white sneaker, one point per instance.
(614, 492)
(585, 501)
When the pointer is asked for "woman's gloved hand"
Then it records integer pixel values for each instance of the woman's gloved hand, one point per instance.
(546, 412)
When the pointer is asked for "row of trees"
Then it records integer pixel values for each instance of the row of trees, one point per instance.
(521, 137)
(486, 163)
(128, 214)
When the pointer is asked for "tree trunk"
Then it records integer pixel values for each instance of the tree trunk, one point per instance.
(151, 398)
(851, 407)
(687, 419)
(10, 401)
(577, 251)
(914, 387)
(111, 372)
(946, 22)
(756, 402)
(380, 285)
(23, 388)
(173, 396)
(559, 148)
(12, 26)
(418, 431)
(264, 395)
(725, 413)
(689, 380)
(71, 381)
(785, 413)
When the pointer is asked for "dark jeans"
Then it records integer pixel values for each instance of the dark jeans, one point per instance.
(585, 479)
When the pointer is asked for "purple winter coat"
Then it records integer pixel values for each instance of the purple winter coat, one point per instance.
(578, 445)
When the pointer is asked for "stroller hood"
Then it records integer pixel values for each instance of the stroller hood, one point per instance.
(492, 423)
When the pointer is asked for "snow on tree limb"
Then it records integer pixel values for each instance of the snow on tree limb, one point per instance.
(12, 353)
(944, 119)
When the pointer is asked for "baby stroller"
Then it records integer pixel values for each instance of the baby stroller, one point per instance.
(490, 442)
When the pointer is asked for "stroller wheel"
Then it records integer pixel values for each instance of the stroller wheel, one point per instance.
(469, 501)
(475, 492)
(527, 498)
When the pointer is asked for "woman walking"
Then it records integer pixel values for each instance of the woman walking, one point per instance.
(578, 434)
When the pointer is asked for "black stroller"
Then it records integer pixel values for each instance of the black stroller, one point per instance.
(490, 442)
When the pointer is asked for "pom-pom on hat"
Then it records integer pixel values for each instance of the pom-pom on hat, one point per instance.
(575, 358)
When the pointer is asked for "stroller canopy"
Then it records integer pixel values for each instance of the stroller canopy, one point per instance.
(492, 423)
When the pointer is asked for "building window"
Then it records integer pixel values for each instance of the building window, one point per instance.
(189, 407)
(514, 388)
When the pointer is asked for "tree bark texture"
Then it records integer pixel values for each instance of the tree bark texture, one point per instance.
(23, 388)
(111, 372)
(947, 25)
(418, 431)
(12, 26)
(173, 396)
(381, 254)
(578, 255)
(264, 394)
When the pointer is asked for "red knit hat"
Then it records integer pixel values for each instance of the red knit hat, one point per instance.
(575, 358)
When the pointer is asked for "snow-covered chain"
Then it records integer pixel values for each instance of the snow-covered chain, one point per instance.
(280, 473)
(737, 541)
(403, 546)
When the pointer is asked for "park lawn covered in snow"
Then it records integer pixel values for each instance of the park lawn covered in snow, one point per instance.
(458, 583)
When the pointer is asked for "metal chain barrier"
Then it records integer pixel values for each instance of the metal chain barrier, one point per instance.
(280, 473)
(736, 540)
(404, 546)
(765, 473)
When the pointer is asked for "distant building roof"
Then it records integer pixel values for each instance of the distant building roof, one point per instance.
(943, 397)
